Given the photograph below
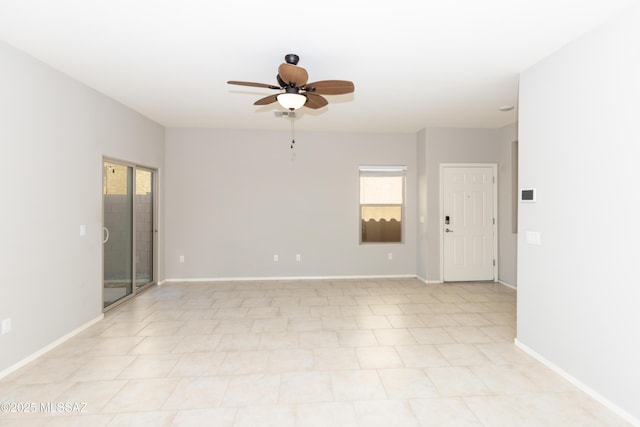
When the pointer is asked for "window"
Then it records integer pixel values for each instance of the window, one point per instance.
(381, 203)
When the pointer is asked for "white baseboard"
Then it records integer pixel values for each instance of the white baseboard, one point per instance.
(428, 282)
(435, 282)
(49, 347)
(255, 279)
(579, 384)
(508, 285)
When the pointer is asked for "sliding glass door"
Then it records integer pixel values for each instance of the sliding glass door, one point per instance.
(129, 230)
(117, 190)
(144, 227)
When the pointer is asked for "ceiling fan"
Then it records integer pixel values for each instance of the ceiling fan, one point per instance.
(297, 92)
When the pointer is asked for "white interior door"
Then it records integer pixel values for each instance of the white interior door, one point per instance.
(468, 223)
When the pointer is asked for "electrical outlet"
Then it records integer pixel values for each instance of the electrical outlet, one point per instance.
(275, 258)
(6, 326)
(181, 259)
(298, 257)
(390, 256)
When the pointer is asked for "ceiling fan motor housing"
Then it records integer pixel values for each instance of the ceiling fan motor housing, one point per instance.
(291, 58)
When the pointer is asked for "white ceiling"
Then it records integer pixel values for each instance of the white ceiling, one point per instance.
(415, 63)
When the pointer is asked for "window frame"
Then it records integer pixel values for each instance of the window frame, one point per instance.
(382, 171)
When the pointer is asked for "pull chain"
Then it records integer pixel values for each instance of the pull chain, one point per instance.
(293, 139)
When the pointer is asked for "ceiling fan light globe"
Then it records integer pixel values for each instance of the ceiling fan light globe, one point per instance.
(292, 101)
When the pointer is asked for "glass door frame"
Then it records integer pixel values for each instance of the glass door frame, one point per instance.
(154, 258)
(154, 228)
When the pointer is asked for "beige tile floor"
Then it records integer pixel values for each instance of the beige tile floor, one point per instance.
(302, 353)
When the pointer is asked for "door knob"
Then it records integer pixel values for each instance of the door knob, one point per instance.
(448, 231)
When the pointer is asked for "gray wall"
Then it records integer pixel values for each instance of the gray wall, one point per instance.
(507, 206)
(578, 291)
(236, 198)
(53, 135)
(423, 238)
(447, 145)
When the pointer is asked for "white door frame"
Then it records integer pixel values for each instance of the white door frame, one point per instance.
(494, 167)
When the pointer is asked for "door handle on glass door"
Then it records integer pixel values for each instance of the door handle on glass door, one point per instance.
(448, 231)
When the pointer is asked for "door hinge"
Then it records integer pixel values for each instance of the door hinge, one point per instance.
(494, 179)
(494, 221)
(494, 262)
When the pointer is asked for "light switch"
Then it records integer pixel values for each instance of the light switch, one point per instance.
(6, 326)
(83, 230)
(533, 237)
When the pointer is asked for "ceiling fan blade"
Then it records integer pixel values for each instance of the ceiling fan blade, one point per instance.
(293, 74)
(252, 84)
(315, 101)
(266, 100)
(330, 87)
